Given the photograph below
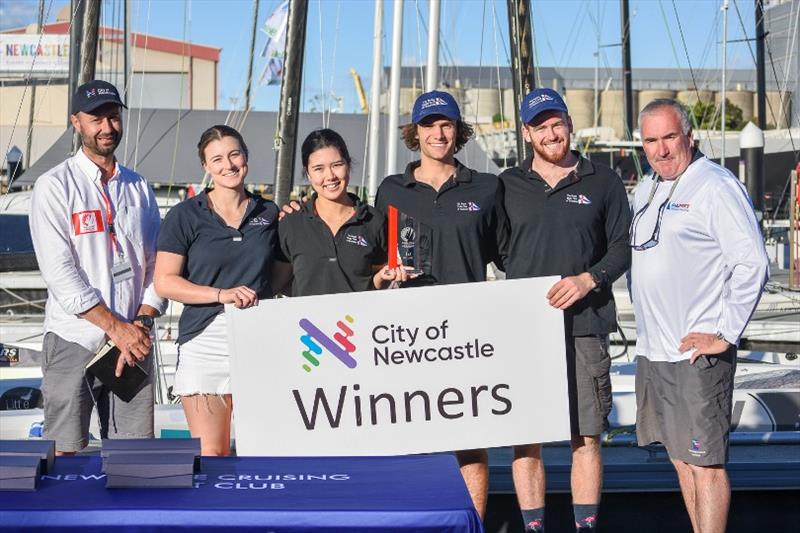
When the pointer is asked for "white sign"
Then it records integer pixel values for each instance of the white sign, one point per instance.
(404, 371)
(18, 51)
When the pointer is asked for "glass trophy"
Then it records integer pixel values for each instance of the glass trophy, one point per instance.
(409, 244)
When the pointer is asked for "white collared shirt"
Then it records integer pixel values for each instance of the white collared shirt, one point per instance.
(74, 249)
(708, 270)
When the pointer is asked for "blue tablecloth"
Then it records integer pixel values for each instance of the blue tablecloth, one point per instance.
(282, 495)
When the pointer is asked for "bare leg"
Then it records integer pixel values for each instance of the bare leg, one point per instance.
(528, 472)
(686, 480)
(475, 470)
(209, 418)
(587, 470)
(65, 454)
(712, 498)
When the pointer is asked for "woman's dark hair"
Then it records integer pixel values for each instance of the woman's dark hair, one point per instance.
(464, 133)
(216, 133)
(323, 138)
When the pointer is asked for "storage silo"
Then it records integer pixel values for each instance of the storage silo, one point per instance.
(691, 96)
(481, 105)
(580, 103)
(777, 116)
(741, 99)
(612, 110)
(510, 110)
(648, 95)
(408, 95)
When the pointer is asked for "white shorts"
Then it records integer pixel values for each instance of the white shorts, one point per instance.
(204, 362)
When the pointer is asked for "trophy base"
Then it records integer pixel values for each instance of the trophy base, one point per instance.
(424, 280)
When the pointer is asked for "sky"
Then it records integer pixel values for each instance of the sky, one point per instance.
(473, 32)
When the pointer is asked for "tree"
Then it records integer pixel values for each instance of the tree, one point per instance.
(708, 116)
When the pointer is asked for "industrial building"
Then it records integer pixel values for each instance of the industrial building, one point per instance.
(166, 74)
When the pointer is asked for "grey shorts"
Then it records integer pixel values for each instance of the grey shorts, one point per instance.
(686, 407)
(588, 384)
(68, 400)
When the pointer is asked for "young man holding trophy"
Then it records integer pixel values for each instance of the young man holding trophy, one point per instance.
(444, 218)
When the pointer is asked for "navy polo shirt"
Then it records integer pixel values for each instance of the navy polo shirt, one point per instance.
(218, 255)
(324, 263)
(463, 218)
(580, 225)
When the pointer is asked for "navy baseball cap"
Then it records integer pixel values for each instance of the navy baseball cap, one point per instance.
(93, 94)
(539, 100)
(435, 103)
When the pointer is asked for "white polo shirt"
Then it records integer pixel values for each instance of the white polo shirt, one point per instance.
(74, 248)
(708, 270)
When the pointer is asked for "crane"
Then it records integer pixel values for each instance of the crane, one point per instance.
(362, 96)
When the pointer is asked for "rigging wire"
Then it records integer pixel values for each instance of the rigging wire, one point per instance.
(321, 63)
(187, 15)
(419, 44)
(691, 69)
(499, 90)
(755, 62)
(333, 58)
(141, 88)
(25, 91)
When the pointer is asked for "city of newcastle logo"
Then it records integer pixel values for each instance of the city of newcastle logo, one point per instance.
(340, 346)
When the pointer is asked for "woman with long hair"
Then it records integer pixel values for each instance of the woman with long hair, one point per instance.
(334, 242)
(215, 248)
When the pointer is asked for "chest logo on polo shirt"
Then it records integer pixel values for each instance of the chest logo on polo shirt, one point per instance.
(260, 221)
(580, 199)
(675, 206)
(356, 239)
(87, 222)
(467, 206)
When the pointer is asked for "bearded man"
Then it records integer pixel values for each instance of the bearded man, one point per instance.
(568, 216)
(94, 225)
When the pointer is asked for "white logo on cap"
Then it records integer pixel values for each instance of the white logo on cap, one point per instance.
(539, 99)
(430, 102)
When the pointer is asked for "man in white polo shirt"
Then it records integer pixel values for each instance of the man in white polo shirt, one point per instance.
(94, 225)
(698, 269)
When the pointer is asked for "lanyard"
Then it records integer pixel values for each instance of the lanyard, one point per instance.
(110, 222)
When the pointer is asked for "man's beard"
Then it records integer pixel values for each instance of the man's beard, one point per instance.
(551, 157)
(94, 146)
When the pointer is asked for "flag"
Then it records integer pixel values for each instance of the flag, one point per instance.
(275, 28)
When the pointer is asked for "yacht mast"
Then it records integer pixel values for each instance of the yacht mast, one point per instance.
(627, 88)
(519, 33)
(32, 108)
(761, 82)
(375, 101)
(394, 90)
(724, 74)
(88, 54)
(77, 8)
(253, 33)
(286, 140)
(432, 74)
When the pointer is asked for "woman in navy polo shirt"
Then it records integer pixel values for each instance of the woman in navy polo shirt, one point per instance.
(335, 242)
(213, 249)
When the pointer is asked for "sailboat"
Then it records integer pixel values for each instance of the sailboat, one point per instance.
(20, 412)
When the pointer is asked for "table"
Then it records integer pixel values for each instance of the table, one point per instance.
(422, 493)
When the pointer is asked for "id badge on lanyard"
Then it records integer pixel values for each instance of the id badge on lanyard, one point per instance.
(122, 268)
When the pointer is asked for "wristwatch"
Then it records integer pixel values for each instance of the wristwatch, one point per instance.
(599, 279)
(146, 321)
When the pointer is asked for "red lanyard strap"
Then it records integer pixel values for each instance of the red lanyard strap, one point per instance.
(110, 220)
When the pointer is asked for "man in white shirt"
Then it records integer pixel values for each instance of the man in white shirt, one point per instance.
(698, 269)
(94, 226)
